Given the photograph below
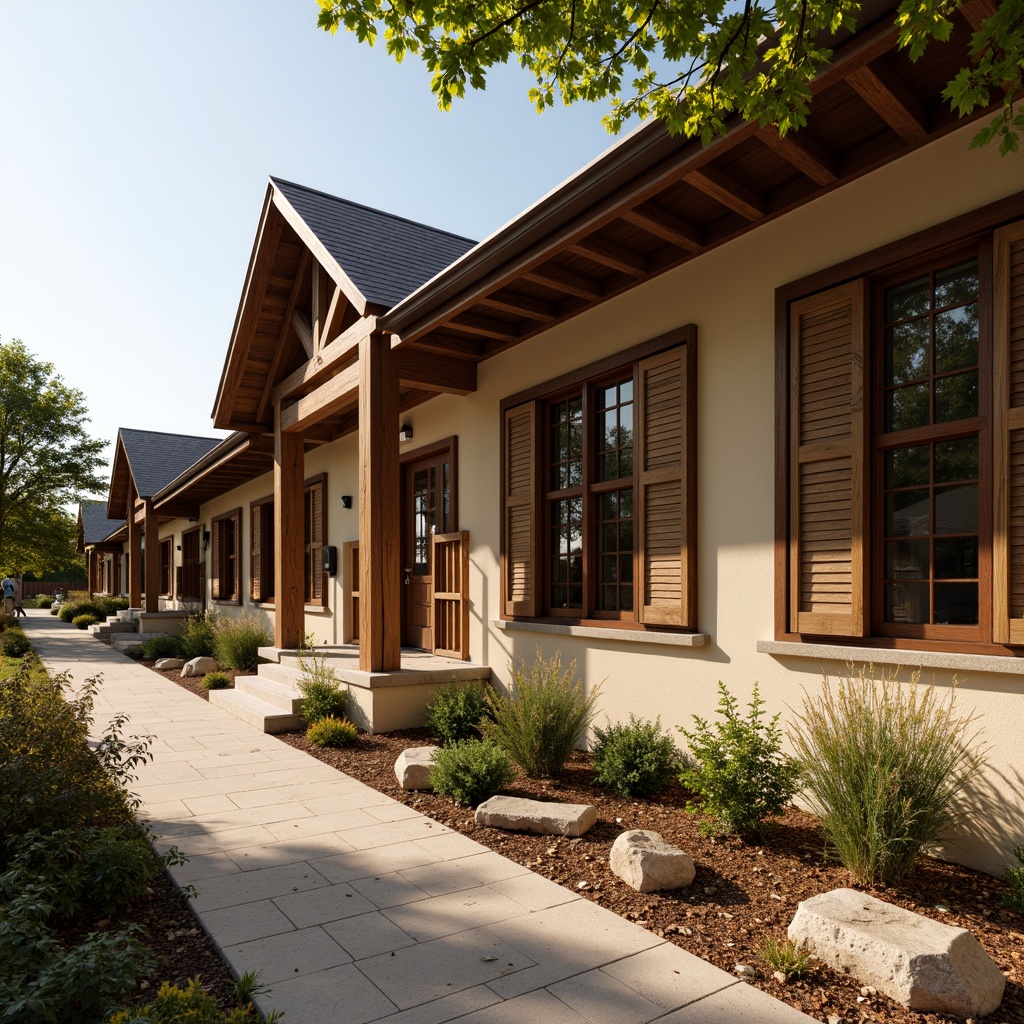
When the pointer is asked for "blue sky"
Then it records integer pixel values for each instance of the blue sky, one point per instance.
(135, 145)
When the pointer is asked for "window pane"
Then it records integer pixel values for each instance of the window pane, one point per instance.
(956, 460)
(908, 300)
(956, 604)
(613, 433)
(956, 509)
(956, 338)
(906, 602)
(908, 352)
(565, 420)
(956, 558)
(956, 398)
(957, 285)
(908, 407)
(907, 467)
(614, 590)
(908, 514)
(906, 560)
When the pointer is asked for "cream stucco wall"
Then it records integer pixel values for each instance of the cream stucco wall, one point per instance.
(729, 294)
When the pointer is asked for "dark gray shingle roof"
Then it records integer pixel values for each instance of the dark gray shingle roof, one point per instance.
(156, 459)
(95, 524)
(386, 257)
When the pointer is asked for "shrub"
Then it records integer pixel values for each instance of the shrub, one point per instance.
(111, 605)
(196, 636)
(237, 640)
(740, 772)
(1014, 899)
(133, 651)
(331, 732)
(70, 609)
(543, 718)
(84, 621)
(78, 596)
(456, 712)
(322, 696)
(157, 647)
(635, 759)
(786, 957)
(43, 601)
(216, 681)
(190, 1005)
(471, 771)
(14, 643)
(884, 767)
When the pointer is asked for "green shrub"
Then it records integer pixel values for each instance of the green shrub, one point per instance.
(471, 771)
(237, 640)
(543, 718)
(157, 647)
(456, 712)
(322, 696)
(70, 609)
(13, 642)
(111, 605)
(84, 621)
(43, 601)
(133, 651)
(785, 958)
(635, 759)
(885, 767)
(331, 732)
(216, 681)
(196, 636)
(191, 1005)
(740, 772)
(1014, 875)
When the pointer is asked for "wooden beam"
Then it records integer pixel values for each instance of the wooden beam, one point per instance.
(448, 345)
(799, 149)
(335, 307)
(976, 11)
(727, 191)
(430, 371)
(264, 410)
(616, 257)
(883, 90)
(380, 607)
(134, 562)
(289, 537)
(565, 281)
(318, 304)
(152, 531)
(337, 393)
(305, 331)
(345, 346)
(662, 223)
(524, 305)
(485, 326)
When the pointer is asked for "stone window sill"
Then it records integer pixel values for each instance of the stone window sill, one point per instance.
(962, 663)
(627, 636)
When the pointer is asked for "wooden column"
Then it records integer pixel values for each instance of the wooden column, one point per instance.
(134, 559)
(289, 535)
(90, 570)
(380, 613)
(152, 531)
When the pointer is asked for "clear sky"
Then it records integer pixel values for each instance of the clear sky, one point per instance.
(135, 145)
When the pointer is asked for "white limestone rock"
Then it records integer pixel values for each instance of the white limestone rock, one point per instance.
(199, 666)
(169, 663)
(645, 862)
(519, 814)
(412, 769)
(923, 964)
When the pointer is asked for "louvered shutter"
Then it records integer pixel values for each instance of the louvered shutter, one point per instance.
(256, 550)
(316, 543)
(236, 552)
(664, 549)
(520, 587)
(1008, 441)
(215, 561)
(827, 462)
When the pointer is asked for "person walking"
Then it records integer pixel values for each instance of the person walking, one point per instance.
(8, 585)
(18, 607)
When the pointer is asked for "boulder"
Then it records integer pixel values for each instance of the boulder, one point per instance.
(921, 963)
(412, 769)
(645, 862)
(199, 666)
(513, 812)
(169, 663)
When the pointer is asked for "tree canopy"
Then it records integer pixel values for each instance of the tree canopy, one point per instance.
(47, 462)
(646, 56)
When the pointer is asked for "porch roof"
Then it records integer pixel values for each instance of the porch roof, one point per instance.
(94, 527)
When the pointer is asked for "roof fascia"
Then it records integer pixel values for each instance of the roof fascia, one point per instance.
(232, 446)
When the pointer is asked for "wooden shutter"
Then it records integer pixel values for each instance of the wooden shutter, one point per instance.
(827, 540)
(236, 562)
(1008, 439)
(316, 543)
(521, 541)
(451, 594)
(256, 550)
(215, 561)
(664, 544)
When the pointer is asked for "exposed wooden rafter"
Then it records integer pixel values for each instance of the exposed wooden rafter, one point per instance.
(662, 223)
(430, 371)
(524, 305)
(565, 281)
(264, 410)
(727, 191)
(799, 149)
(976, 11)
(304, 331)
(881, 88)
(486, 327)
(614, 256)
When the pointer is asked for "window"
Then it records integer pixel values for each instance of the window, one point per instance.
(315, 531)
(224, 540)
(166, 562)
(598, 491)
(261, 560)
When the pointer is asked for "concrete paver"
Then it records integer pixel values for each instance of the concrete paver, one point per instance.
(357, 908)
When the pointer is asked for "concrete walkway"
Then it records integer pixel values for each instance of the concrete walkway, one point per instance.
(356, 908)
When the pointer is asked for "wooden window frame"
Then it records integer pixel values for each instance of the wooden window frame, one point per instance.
(167, 567)
(261, 540)
(585, 380)
(310, 545)
(965, 236)
(218, 554)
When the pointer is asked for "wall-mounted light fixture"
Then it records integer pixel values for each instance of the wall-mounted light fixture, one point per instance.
(346, 501)
(405, 432)
(179, 547)
(206, 540)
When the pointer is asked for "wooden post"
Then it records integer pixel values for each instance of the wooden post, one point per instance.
(289, 535)
(380, 613)
(134, 559)
(152, 532)
(90, 570)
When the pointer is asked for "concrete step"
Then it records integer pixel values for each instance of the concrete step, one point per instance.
(288, 675)
(281, 695)
(119, 626)
(255, 712)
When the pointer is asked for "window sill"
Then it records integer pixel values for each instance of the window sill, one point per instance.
(228, 601)
(887, 656)
(629, 636)
(267, 606)
(316, 609)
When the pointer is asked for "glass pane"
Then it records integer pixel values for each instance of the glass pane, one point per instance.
(908, 407)
(609, 569)
(609, 504)
(957, 285)
(956, 460)
(609, 537)
(906, 602)
(907, 514)
(626, 391)
(956, 509)
(956, 398)
(607, 397)
(907, 467)
(956, 558)
(956, 339)
(626, 504)
(906, 560)
(908, 352)
(956, 604)
(626, 568)
(908, 300)
(626, 535)
(626, 598)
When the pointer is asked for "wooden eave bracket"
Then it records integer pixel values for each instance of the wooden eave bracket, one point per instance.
(725, 190)
(800, 150)
(882, 89)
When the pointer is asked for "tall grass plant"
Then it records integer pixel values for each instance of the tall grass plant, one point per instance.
(238, 638)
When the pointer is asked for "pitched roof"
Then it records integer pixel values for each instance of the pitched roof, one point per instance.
(155, 459)
(386, 257)
(93, 521)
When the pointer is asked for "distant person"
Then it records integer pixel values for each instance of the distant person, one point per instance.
(8, 585)
(18, 607)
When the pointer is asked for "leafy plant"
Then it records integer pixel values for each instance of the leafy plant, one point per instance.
(216, 681)
(739, 770)
(456, 712)
(14, 643)
(196, 636)
(885, 766)
(111, 605)
(635, 759)
(157, 647)
(70, 609)
(331, 732)
(543, 718)
(322, 695)
(786, 957)
(191, 1005)
(1014, 875)
(43, 601)
(238, 638)
(133, 651)
(247, 986)
(471, 771)
(84, 621)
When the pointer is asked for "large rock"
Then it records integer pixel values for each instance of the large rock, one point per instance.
(199, 666)
(412, 769)
(923, 964)
(169, 663)
(513, 812)
(645, 862)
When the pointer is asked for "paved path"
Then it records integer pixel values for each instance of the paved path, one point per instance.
(356, 908)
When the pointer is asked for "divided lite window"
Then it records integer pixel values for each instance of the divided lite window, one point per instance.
(261, 554)
(315, 517)
(598, 491)
(225, 540)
